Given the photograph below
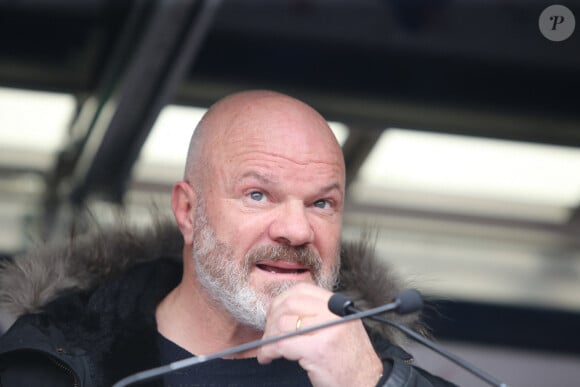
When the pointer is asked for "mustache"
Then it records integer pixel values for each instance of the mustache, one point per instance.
(301, 255)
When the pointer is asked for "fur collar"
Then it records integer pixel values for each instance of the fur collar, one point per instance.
(30, 281)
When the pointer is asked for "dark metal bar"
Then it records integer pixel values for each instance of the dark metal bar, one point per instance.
(172, 39)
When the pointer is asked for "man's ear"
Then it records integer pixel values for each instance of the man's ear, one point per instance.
(183, 202)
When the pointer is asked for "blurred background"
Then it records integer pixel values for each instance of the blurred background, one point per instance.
(459, 122)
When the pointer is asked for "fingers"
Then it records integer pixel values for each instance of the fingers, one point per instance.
(303, 300)
(331, 356)
(296, 309)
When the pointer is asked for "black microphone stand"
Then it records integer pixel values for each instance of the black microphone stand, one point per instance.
(454, 358)
(410, 300)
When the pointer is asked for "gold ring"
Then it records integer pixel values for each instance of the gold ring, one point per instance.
(298, 323)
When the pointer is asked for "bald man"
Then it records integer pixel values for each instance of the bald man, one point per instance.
(259, 212)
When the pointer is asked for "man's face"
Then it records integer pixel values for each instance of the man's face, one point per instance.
(269, 214)
(227, 281)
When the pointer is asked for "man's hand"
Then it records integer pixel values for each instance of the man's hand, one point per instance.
(341, 355)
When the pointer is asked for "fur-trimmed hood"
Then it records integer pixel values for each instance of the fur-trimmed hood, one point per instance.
(30, 281)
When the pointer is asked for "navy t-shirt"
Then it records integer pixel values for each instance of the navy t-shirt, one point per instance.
(230, 372)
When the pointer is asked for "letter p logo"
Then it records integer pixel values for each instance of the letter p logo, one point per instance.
(556, 20)
(557, 23)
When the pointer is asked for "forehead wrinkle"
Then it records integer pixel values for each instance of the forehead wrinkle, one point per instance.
(255, 155)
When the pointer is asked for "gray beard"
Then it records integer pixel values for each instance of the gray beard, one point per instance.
(226, 281)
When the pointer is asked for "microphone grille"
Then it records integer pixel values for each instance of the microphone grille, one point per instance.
(338, 304)
(410, 301)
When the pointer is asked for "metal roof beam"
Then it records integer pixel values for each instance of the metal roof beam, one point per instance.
(152, 57)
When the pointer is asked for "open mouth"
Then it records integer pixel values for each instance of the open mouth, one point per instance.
(281, 270)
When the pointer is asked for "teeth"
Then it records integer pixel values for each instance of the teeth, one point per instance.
(277, 270)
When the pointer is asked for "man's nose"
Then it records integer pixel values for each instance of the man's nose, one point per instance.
(291, 225)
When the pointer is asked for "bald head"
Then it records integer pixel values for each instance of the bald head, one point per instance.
(264, 187)
(260, 117)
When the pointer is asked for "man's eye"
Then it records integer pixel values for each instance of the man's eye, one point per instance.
(256, 195)
(321, 204)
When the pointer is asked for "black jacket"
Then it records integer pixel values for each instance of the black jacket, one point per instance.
(86, 312)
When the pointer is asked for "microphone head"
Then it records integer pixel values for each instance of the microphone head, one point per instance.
(338, 304)
(410, 301)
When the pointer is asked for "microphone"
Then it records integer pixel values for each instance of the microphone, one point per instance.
(398, 304)
(409, 301)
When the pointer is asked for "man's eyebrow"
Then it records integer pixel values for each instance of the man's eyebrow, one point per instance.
(258, 176)
(264, 179)
(331, 187)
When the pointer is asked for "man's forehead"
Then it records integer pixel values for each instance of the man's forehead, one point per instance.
(267, 176)
(269, 123)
